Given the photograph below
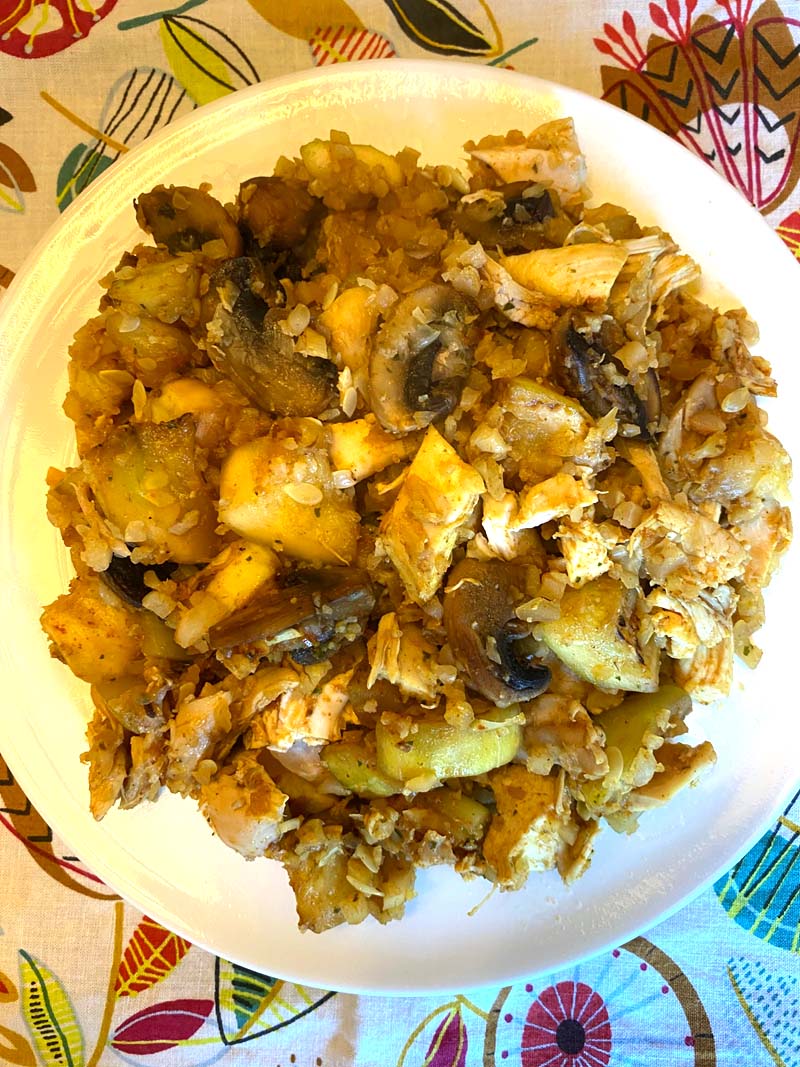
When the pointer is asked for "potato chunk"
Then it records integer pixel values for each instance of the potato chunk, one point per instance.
(433, 506)
(93, 632)
(591, 638)
(283, 496)
(363, 448)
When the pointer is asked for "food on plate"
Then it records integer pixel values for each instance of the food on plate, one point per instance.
(414, 509)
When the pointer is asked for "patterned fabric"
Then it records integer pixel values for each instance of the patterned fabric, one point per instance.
(84, 979)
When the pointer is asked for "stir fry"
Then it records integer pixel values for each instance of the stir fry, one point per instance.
(414, 508)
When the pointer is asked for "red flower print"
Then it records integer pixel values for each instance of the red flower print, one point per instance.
(567, 1026)
(39, 28)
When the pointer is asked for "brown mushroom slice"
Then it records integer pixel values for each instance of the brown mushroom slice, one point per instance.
(486, 636)
(185, 219)
(309, 617)
(246, 343)
(587, 371)
(126, 578)
(421, 359)
(509, 217)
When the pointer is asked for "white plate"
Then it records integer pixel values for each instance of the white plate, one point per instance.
(162, 857)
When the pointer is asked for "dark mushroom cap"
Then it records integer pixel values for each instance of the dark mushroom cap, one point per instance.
(184, 219)
(586, 370)
(126, 578)
(421, 359)
(315, 604)
(510, 217)
(247, 344)
(484, 632)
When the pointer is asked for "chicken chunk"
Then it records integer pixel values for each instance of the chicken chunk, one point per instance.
(551, 499)
(685, 551)
(404, 656)
(585, 550)
(528, 832)
(432, 511)
(362, 448)
(244, 806)
(549, 155)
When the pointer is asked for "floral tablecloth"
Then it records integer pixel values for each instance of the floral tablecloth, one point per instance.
(87, 980)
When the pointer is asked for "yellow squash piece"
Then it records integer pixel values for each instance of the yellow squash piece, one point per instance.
(590, 638)
(542, 424)
(435, 749)
(353, 764)
(167, 290)
(633, 730)
(320, 158)
(146, 480)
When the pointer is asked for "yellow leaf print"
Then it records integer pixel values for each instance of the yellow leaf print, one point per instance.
(197, 66)
(305, 19)
(49, 1014)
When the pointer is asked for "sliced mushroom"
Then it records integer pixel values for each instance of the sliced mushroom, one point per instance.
(126, 578)
(247, 344)
(485, 635)
(510, 217)
(313, 614)
(421, 359)
(586, 370)
(185, 219)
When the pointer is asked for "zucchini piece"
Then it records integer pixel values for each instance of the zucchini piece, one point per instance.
(435, 748)
(591, 638)
(146, 481)
(635, 729)
(352, 764)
